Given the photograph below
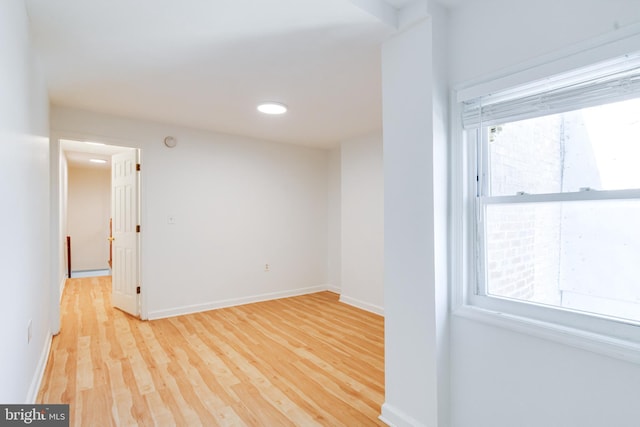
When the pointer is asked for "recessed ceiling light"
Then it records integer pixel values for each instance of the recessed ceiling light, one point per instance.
(272, 108)
(101, 161)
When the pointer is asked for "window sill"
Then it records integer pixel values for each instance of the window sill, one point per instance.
(628, 351)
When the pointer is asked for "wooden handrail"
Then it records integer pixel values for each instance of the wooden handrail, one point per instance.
(69, 257)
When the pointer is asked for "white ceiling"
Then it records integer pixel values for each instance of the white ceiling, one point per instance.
(207, 63)
(79, 153)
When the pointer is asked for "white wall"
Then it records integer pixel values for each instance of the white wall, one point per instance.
(501, 378)
(89, 209)
(238, 204)
(334, 221)
(415, 247)
(24, 253)
(362, 236)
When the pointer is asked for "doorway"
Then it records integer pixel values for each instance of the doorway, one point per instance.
(88, 211)
(86, 208)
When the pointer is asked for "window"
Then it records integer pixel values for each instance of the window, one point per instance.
(555, 198)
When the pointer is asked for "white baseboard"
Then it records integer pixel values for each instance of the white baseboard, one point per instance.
(334, 289)
(362, 305)
(38, 375)
(393, 417)
(77, 274)
(197, 308)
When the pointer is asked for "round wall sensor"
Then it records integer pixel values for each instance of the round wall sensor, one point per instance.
(170, 141)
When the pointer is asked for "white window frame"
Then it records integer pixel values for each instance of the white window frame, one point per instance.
(601, 334)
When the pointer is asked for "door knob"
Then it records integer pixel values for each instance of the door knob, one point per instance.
(111, 239)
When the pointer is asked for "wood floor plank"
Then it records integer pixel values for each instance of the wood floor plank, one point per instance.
(302, 361)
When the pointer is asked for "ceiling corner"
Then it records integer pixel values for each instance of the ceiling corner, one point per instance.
(380, 9)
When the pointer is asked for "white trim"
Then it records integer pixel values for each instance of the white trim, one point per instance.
(334, 289)
(38, 375)
(563, 197)
(213, 305)
(394, 417)
(461, 221)
(615, 80)
(609, 346)
(362, 305)
(77, 274)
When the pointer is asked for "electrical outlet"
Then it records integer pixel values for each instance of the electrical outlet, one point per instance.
(171, 219)
(29, 331)
(267, 267)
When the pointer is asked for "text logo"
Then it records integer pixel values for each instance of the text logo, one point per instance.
(34, 415)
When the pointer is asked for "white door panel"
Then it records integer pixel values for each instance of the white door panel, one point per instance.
(124, 207)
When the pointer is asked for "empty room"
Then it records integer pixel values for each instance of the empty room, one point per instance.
(323, 212)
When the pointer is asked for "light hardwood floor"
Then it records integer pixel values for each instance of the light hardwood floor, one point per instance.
(302, 361)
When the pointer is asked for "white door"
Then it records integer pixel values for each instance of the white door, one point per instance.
(124, 211)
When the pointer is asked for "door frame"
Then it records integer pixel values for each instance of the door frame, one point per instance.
(57, 237)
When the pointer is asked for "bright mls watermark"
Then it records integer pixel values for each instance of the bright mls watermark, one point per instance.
(34, 415)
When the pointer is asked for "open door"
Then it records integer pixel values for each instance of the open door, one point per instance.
(124, 211)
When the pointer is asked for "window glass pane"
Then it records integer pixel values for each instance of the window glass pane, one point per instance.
(581, 255)
(596, 147)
